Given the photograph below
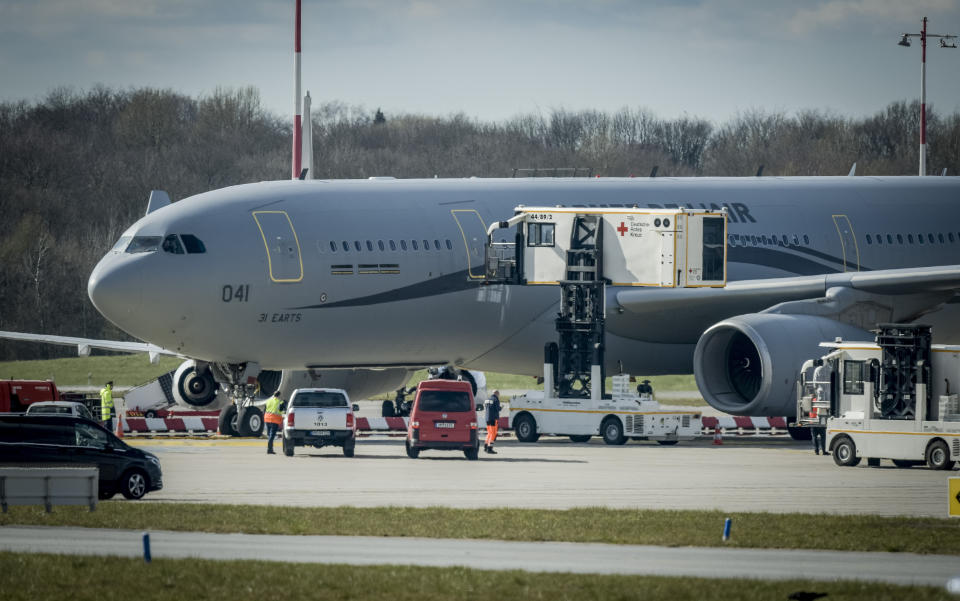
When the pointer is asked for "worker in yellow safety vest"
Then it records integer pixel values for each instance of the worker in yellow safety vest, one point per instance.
(106, 405)
(273, 417)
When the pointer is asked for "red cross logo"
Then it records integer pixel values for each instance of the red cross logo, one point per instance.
(622, 229)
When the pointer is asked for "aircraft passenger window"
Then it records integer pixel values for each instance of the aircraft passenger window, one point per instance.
(950, 237)
(193, 244)
(121, 244)
(449, 245)
(920, 238)
(785, 240)
(414, 243)
(940, 237)
(333, 246)
(910, 238)
(380, 244)
(369, 246)
(806, 240)
(879, 239)
(765, 240)
(426, 245)
(436, 244)
(753, 240)
(356, 244)
(143, 244)
(930, 238)
(900, 238)
(346, 246)
(796, 240)
(403, 244)
(731, 241)
(889, 239)
(869, 239)
(393, 245)
(171, 244)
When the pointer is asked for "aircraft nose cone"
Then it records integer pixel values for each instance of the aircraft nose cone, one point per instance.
(115, 288)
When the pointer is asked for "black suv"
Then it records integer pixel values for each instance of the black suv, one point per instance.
(66, 440)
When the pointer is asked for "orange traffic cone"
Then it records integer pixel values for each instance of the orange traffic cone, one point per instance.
(119, 431)
(718, 435)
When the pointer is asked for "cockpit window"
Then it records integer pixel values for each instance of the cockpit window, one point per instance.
(171, 244)
(121, 244)
(193, 244)
(143, 244)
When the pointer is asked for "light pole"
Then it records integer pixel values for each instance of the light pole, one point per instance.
(905, 41)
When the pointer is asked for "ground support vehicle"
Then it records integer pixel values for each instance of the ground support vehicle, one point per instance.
(890, 399)
(17, 395)
(444, 416)
(622, 416)
(320, 417)
(53, 440)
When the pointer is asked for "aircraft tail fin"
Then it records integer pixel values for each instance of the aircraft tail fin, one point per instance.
(158, 200)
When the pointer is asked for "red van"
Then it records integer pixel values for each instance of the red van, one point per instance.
(444, 416)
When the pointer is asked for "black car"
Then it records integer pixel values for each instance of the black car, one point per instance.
(66, 440)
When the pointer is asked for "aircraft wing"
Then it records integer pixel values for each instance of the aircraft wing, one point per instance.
(85, 344)
(681, 315)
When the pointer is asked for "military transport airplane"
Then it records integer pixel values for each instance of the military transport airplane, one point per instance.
(358, 282)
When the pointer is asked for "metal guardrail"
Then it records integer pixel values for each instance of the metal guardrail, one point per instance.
(49, 486)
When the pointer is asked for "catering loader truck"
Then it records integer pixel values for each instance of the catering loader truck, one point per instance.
(895, 398)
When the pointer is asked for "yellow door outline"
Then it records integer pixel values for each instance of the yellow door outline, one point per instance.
(466, 244)
(266, 246)
(848, 242)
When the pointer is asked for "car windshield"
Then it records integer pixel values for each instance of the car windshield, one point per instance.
(49, 409)
(319, 399)
(444, 400)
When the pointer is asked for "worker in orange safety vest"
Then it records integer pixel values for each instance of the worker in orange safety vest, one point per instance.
(273, 417)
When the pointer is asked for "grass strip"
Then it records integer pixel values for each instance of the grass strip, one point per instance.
(33, 577)
(587, 524)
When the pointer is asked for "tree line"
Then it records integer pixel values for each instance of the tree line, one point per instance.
(76, 166)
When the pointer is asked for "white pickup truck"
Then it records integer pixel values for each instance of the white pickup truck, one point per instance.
(320, 417)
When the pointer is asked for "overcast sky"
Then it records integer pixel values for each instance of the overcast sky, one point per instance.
(493, 59)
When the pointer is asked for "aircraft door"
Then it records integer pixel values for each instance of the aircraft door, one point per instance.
(474, 232)
(848, 243)
(282, 246)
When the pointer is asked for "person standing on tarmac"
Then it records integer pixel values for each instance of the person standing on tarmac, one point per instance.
(492, 406)
(821, 379)
(273, 417)
(106, 405)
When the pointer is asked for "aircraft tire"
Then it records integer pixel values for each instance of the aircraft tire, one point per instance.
(799, 432)
(250, 422)
(228, 421)
(387, 409)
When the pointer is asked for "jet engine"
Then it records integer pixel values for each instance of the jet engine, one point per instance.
(195, 387)
(749, 364)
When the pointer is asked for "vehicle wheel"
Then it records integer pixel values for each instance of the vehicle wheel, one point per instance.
(250, 422)
(412, 452)
(873, 461)
(151, 414)
(133, 485)
(288, 446)
(845, 452)
(938, 456)
(612, 431)
(904, 463)
(228, 421)
(387, 409)
(799, 432)
(580, 437)
(472, 454)
(349, 448)
(525, 428)
(103, 495)
(667, 443)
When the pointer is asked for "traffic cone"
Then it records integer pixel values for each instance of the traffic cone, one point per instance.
(718, 435)
(119, 431)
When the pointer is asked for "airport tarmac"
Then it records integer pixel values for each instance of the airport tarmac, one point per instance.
(771, 474)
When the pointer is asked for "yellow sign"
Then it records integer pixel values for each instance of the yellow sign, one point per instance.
(953, 497)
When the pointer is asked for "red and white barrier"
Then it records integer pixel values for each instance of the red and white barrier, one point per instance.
(742, 425)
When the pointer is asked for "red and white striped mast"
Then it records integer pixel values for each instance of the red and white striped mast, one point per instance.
(297, 124)
(905, 41)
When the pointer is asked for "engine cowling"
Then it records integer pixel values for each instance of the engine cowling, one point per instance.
(749, 364)
(194, 386)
